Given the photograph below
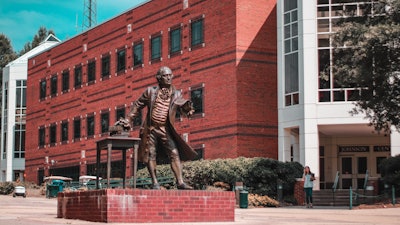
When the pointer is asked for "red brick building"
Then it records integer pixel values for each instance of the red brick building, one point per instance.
(222, 54)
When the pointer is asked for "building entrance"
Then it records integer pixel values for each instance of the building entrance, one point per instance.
(353, 169)
(355, 162)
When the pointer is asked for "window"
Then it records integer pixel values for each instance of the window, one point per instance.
(138, 54)
(105, 122)
(91, 71)
(19, 141)
(42, 89)
(291, 58)
(90, 126)
(42, 136)
(175, 40)
(200, 153)
(121, 61)
(362, 165)
(53, 134)
(197, 32)
(77, 128)
(65, 81)
(196, 96)
(119, 113)
(20, 95)
(378, 164)
(105, 66)
(78, 77)
(64, 131)
(138, 120)
(53, 86)
(20, 101)
(156, 48)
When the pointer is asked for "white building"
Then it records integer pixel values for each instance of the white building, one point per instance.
(315, 126)
(12, 154)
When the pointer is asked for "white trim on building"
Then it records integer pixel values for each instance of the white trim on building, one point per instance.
(12, 163)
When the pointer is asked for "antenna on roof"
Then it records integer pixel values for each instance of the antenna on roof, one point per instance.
(89, 14)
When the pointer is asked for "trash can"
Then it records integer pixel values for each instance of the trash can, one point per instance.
(59, 184)
(243, 199)
(53, 188)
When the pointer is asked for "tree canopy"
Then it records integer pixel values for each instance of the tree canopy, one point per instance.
(367, 56)
(37, 39)
(7, 53)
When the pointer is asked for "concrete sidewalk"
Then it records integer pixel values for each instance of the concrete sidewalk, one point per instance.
(39, 211)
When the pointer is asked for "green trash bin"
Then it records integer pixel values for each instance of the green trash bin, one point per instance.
(52, 190)
(243, 199)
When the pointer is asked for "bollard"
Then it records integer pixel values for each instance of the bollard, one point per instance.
(279, 188)
(243, 200)
(393, 196)
(351, 198)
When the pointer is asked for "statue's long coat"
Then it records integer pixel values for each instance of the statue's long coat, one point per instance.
(177, 103)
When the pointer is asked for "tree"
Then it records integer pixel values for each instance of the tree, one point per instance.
(37, 39)
(7, 53)
(367, 56)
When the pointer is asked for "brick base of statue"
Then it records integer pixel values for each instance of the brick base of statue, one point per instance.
(147, 206)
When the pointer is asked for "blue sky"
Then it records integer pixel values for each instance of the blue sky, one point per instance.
(21, 19)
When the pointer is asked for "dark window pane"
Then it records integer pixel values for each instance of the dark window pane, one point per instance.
(42, 89)
(64, 131)
(156, 48)
(105, 66)
(197, 99)
(105, 122)
(291, 73)
(324, 65)
(121, 59)
(175, 40)
(77, 128)
(347, 166)
(378, 163)
(197, 32)
(338, 96)
(90, 126)
(78, 76)
(362, 165)
(138, 120)
(91, 71)
(18, 96)
(65, 81)
(42, 135)
(53, 134)
(53, 86)
(138, 54)
(289, 5)
(120, 114)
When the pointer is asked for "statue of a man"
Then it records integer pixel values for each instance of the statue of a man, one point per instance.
(158, 130)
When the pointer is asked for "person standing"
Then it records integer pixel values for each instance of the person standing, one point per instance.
(163, 101)
(308, 179)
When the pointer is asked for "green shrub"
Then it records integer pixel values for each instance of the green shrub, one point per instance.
(259, 175)
(6, 188)
(390, 171)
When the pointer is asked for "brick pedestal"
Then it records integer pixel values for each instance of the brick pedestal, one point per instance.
(147, 206)
(299, 194)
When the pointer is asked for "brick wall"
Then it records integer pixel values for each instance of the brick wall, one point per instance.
(147, 206)
(236, 67)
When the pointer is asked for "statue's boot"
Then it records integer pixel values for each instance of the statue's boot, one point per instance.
(177, 169)
(151, 166)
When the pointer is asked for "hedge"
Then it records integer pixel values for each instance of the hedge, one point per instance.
(259, 175)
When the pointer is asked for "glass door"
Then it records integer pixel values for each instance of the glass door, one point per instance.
(353, 170)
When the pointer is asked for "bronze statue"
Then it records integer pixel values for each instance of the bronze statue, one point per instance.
(158, 130)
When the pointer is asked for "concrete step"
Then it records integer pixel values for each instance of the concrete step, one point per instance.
(328, 198)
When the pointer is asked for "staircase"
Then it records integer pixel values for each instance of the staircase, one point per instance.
(325, 197)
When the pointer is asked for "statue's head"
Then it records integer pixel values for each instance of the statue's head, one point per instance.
(164, 76)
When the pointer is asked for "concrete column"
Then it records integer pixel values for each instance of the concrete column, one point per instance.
(394, 143)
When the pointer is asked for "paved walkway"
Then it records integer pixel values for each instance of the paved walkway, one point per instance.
(42, 211)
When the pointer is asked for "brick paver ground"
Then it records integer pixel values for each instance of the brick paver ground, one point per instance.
(42, 211)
